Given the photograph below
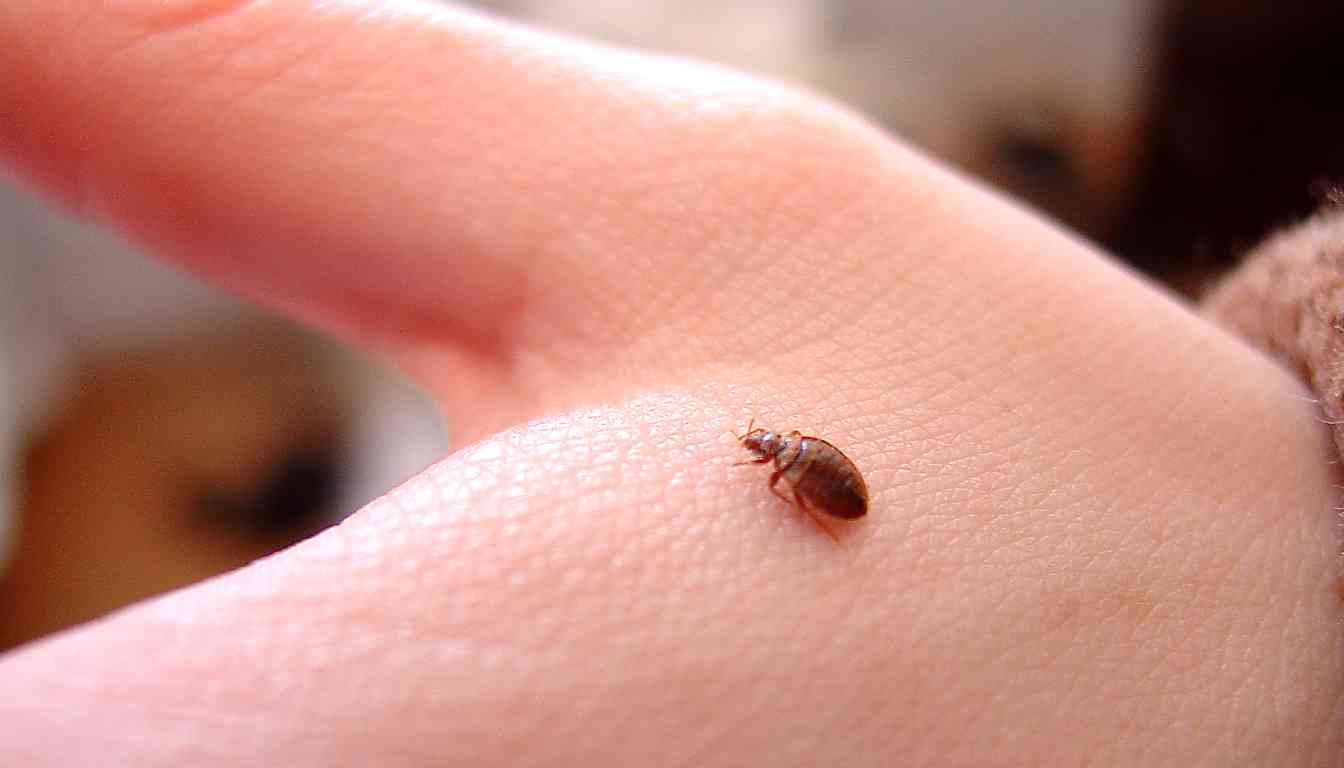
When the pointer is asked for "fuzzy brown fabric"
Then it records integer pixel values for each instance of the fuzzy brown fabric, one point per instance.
(1288, 299)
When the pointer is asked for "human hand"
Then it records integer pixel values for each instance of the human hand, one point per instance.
(1100, 529)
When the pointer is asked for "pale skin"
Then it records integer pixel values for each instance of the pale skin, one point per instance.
(1100, 529)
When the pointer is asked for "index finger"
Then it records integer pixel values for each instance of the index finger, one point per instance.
(417, 174)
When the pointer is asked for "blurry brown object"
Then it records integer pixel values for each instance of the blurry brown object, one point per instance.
(1245, 135)
(168, 465)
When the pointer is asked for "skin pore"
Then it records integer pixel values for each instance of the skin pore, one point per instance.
(1100, 529)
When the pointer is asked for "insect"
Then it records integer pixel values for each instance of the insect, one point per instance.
(821, 478)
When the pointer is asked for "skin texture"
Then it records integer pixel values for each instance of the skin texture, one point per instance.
(1100, 530)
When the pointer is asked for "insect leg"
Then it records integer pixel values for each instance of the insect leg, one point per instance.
(760, 460)
(797, 501)
(774, 480)
(802, 505)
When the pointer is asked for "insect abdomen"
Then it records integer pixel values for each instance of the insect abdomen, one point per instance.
(827, 480)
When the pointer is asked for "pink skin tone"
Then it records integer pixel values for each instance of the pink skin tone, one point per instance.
(1100, 529)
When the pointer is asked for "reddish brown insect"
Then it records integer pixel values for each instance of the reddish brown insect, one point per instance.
(821, 477)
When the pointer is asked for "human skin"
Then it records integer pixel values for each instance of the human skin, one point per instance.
(1100, 531)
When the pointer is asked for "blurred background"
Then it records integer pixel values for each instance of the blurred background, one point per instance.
(154, 432)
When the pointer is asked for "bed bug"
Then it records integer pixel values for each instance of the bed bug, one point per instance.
(821, 477)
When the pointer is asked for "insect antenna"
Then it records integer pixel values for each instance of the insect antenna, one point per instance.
(750, 424)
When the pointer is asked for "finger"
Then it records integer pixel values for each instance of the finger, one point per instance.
(415, 172)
